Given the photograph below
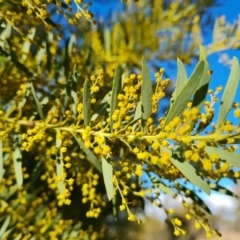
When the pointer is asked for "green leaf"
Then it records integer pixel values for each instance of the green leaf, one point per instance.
(66, 58)
(1, 161)
(18, 237)
(87, 102)
(26, 45)
(225, 140)
(107, 177)
(229, 92)
(5, 225)
(39, 106)
(40, 55)
(70, 92)
(137, 115)
(222, 190)
(102, 109)
(59, 165)
(126, 143)
(107, 40)
(53, 223)
(188, 171)
(116, 88)
(202, 53)
(156, 183)
(236, 139)
(216, 30)
(181, 78)
(18, 165)
(146, 93)
(231, 157)
(66, 234)
(90, 155)
(184, 96)
(202, 88)
(74, 79)
(195, 198)
(115, 208)
(166, 189)
(36, 172)
(7, 233)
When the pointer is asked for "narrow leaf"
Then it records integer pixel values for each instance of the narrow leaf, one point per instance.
(156, 183)
(126, 143)
(181, 78)
(229, 92)
(202, 53)
(225, 140)
(1, 161)
(18, 237)
(107, 40)
(146, 92)
(222, 190)
(165, 189)
(202, 88)
(74, 79)
(188, 171)
(5, 225)
(196, 199)
(87, 102)
(185, 95)
(102, 108)
(40, 55)
(35, 173)
(59, 165)
(7, 233)
(66, 59)
(39, 106)
(90, 155)
(26, 45)
(100, 111)
(216, 30)
(18, 165)
(116, 88)
(137, 115)
(107, 177)
(231, 157)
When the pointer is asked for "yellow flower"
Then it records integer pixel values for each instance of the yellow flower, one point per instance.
(106, 150)
(177, 222)
(214, 158)
(165, 158)
(177, 232)
(209, 235)
(154, 159)
(170, 211)
(78, 15)
(70, 181)
(195, 157)
(225, 167)
(207, 165)
(188, 154)
(155, 146)
(197, 225)
(201, 145)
